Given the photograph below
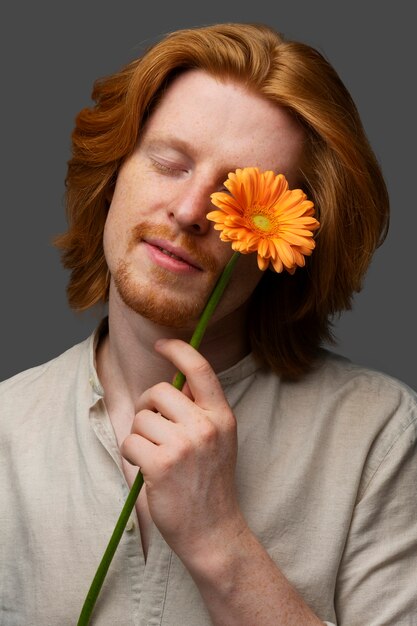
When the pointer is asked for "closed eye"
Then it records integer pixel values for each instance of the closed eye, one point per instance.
(166, 169)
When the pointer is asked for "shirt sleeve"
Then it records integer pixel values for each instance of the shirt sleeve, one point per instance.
(377, 578)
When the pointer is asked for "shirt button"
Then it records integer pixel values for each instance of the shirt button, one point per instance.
(130, 525)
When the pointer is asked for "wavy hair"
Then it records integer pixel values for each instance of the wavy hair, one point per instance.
(289, 316)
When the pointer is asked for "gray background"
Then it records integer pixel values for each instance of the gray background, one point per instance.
(51, 53)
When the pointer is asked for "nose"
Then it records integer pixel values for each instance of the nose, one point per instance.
(189, 210)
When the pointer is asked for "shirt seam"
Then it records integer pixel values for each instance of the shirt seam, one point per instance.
(386, 455)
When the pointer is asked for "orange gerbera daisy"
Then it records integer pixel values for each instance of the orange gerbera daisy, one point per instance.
(261, 214)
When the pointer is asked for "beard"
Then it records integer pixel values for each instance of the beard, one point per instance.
(164, 297)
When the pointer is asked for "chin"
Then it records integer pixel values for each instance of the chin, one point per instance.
(159, 303)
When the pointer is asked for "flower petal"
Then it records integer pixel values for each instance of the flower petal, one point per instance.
(261, 214)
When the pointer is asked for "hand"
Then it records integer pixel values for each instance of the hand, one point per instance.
(186, 445)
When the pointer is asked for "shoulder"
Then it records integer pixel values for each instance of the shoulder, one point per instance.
(345, 402)
(337, 374)
(333, 384)
(366, 409)
(334, 375)
(40, 384)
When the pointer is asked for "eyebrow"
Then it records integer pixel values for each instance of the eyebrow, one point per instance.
(172, 142)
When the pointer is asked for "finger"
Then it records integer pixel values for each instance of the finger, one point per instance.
(138, 451)
(171, 403)
(201, 378)
(187, 391)
(153, 426)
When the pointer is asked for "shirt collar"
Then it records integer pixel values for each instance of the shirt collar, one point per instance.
(242, 369)
(101, 330)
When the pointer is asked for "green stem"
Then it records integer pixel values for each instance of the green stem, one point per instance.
(178, 383)
(102, 569)
(209, 309)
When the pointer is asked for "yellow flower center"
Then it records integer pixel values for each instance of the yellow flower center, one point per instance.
(261, 222)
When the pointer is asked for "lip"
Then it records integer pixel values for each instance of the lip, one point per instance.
(182, 260)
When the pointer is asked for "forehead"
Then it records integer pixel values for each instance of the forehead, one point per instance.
(222, 118)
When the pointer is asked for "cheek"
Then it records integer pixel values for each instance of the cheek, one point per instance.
(122, 216)
(115, 236)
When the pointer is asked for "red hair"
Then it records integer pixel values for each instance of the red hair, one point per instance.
(290, 316)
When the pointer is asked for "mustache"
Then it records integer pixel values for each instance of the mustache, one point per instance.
(186, 241)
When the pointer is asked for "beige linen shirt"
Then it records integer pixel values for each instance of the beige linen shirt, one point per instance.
(326, 476)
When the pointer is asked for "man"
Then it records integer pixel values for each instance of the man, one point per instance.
(280, 483)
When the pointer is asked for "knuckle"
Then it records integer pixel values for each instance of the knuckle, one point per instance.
(127, 448)
(138, 421)
(150, 397)
(161, 388)
(155, 393)
(228, 423)
(170, 459)
(167, 464)
(184, 448)
(208, 432)
(203, 368)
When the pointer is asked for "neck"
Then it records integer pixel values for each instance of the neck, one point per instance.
(127, 363)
